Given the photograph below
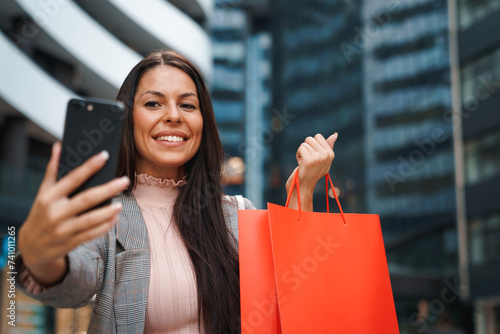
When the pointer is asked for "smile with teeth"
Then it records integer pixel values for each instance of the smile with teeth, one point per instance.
(170, 138)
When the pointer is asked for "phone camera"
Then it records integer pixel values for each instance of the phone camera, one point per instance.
(90, 107)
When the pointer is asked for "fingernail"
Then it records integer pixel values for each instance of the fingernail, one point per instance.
(118, 205)
(104, 155)
(55, 147)
(123, 181)
(101, 158)
(336, 135)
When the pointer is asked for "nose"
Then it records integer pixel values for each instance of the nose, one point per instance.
(172, 114)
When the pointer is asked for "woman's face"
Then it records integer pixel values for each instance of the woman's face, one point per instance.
(167, 122)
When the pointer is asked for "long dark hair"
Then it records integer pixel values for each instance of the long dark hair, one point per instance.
(198, 209)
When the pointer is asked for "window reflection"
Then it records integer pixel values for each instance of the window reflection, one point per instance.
(484, 234)
(482, 157)
(478, 75)
(471, 11)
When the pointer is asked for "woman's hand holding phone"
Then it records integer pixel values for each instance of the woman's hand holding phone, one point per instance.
(56, 223)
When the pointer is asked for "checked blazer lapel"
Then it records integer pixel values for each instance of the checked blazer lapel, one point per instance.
(132, 268)
(131, 230)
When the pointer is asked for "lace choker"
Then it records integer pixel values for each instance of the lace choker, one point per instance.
(156, 181)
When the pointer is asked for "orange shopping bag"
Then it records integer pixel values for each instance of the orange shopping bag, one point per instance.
(258, 298)
(330, 272)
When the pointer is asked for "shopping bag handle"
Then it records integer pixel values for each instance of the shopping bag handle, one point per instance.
(295, 183)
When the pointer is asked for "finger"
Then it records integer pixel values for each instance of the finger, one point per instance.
(89, 220)
(332, 139)
(314, 144)
(79, 175)
(96, 195)
(305, 151)
(89, 234)
(324, 144)
(51, 171)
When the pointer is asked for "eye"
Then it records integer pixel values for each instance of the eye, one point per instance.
(152, 104)
(187, 106)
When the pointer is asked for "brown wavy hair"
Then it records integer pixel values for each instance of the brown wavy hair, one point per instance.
(198, 209)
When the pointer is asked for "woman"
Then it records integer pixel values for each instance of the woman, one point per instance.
(171, 159)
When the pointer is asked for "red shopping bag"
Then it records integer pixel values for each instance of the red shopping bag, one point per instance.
(330, 272)
(258, 298)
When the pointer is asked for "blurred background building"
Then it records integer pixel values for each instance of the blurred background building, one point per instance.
(229, 34)
(317, 90)
(379, 72)
(479, 61)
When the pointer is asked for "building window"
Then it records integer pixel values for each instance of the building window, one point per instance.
(484, 239)
(477, 78)
(471, 11)
(482, 157)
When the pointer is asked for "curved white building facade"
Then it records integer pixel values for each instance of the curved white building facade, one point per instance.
(52, 50)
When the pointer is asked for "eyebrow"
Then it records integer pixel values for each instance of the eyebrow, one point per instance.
(154, 92)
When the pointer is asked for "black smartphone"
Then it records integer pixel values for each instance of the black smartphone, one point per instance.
(91, 126)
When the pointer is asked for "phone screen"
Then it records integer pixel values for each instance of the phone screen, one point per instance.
(91, 126)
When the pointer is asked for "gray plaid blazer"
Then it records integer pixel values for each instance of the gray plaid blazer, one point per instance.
(115, 268)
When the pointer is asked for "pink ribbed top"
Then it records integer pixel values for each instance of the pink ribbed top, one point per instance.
(172, 305)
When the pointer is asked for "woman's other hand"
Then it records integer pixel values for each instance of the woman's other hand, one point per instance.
(56, 225)
(314, 157)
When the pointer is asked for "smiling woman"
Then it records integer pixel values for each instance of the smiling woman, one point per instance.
(163, 257)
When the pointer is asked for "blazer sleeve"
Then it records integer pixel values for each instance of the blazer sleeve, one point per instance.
(81, 282)
(230, 207)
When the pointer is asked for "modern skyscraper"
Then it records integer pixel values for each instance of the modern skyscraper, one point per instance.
(479, 59)
(240, 92)
(378, 72)
(316, 90)
(410, 166)
(229, 34)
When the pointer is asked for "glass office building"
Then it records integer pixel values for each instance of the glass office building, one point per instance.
(228, 34)
(479, 55)
(261, 117)
(318, 90)
(377, 72)
(241, 92)
(409, 149)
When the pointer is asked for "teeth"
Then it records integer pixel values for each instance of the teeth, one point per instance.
(170, 138)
